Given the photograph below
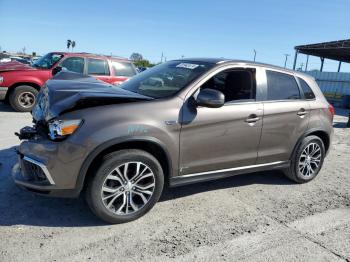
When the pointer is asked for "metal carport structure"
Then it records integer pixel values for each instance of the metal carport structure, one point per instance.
(335, 50)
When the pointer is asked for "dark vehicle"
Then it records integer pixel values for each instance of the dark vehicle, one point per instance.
(141, 69)
(177, 123)
(20, 83)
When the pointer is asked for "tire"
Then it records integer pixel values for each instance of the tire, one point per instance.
(107, 183)
(22, 98)
(299, 171)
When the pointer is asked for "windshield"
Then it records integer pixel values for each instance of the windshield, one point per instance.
(166, 79)
(47, 61)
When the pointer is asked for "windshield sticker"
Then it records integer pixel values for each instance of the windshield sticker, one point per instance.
(188, 66)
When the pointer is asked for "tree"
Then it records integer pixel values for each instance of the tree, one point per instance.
(73, 45)
(69, 42)
(143, 63)
(136, 57)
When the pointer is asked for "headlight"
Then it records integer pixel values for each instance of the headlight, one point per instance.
(61, 128)
(1, 79)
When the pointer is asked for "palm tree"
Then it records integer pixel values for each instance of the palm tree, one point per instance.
(73, 45)
(69, 42)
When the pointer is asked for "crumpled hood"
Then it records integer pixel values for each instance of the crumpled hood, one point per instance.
(68, 91)
(15, 66)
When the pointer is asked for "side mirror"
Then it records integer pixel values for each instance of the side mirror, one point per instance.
(210, 98)
(56, 70)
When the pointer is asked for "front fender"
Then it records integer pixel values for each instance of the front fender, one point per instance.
(114, 142)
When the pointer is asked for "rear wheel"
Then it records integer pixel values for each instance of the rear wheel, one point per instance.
(307, 160)
(126, 186)
(22, 98)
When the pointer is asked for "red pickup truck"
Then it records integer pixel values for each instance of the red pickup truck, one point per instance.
(20, 83)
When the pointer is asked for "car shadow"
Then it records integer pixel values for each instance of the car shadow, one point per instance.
(273, 177)
(5, 107)
(19, 207)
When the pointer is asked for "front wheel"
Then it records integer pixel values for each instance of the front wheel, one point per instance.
(22, 98)
(307, 160)
(126, 186)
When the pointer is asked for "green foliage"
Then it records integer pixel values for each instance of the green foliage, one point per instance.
(143, 63)
(136, 57)
(139, 61)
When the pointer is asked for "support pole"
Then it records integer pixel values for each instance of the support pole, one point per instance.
(285, 61)
(254, 54)
(295, 59)
(339, 66)
(307, 62)
(322, 62)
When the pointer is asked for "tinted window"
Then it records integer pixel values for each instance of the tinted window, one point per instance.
(235, 85)
(281, 86)
(74, 64)
(306, 89)
(123, 69)
(97, 67)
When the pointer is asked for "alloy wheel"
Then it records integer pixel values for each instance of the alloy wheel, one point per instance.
(310, 160)
(128, 188)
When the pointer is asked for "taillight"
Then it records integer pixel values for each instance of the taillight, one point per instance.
(331, 110)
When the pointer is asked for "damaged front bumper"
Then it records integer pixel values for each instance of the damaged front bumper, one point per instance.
(32, 175)
(46, 167)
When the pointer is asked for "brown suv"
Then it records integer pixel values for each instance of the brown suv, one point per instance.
(180, 122)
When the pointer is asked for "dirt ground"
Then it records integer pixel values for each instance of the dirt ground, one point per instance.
(254, 217)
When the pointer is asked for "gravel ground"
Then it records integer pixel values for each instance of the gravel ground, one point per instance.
(254, 217)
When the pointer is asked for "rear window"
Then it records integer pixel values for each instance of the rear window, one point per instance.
(308, 94)
(97, 67)
(281, 86)
(123, 69)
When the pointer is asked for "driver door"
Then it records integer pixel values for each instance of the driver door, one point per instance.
(213, 139)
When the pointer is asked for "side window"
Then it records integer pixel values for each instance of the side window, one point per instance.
(97, 67)
(281, 86)
(236, 85)
(74, 64)
(306, 89)
(123, 69)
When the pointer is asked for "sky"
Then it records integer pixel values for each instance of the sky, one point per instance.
(189, 28)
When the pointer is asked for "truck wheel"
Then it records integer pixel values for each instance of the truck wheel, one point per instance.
(22, 98)
(307, 160)
(126, 186)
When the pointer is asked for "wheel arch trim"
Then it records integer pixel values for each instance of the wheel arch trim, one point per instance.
(309, 132)
(115, 142)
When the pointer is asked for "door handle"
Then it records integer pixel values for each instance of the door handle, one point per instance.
(302, 112)
(252, 118)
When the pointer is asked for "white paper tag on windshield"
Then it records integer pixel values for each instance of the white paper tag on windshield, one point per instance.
(188, 66)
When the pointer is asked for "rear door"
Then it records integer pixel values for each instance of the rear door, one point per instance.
(98, 68)
(121, 71)
(286, 117)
